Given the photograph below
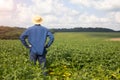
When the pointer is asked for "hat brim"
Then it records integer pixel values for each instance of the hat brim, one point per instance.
(39, 21)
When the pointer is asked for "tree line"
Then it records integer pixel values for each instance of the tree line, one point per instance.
(7, 32)
(81, 29)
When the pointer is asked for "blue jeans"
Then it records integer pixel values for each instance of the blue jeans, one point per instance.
(41, 58)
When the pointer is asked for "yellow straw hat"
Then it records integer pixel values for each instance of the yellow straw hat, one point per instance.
(37, 20)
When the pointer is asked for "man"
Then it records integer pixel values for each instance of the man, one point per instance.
(36, 41)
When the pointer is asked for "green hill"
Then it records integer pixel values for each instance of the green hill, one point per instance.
(7, 32)
(10, 32)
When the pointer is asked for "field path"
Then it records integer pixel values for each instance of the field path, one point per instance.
(114, 39)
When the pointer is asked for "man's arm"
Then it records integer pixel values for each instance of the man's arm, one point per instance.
(23, 38)
(51, 39)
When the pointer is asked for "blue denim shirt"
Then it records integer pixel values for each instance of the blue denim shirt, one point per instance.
(37, 36)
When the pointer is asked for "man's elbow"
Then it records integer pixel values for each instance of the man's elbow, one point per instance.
(52, 39)
(20, 37)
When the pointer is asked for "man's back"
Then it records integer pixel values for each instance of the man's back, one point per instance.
(37, 36)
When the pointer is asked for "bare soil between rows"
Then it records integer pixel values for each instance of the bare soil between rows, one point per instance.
(114, 39)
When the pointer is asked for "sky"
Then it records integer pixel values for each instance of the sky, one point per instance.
(61, 13)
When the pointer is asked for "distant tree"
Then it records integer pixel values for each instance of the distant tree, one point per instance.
(80, 29)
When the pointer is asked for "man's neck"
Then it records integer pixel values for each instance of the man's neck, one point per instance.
(37, 24)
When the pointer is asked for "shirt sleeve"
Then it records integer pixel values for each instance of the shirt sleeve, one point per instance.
(51, 39)
(23, 37)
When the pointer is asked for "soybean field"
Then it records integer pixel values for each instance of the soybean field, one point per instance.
(73, 56)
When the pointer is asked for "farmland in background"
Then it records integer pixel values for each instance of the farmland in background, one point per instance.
(73, 56)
